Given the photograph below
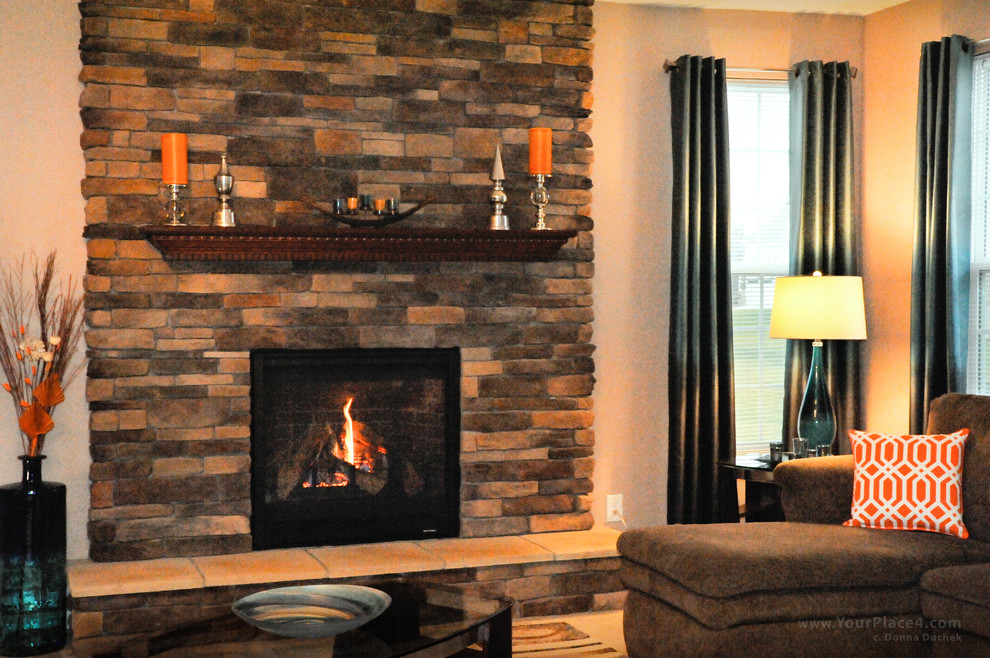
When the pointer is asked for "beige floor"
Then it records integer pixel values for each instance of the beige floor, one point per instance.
(603, 626)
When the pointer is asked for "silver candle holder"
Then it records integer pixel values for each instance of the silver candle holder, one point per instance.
(540, 198)
(498, 197)
(175, 210)
(224, 184)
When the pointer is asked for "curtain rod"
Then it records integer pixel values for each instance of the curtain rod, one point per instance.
(979, 45)
(667, 65)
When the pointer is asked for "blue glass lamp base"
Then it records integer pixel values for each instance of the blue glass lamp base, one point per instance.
(33, 580)
(816, 419)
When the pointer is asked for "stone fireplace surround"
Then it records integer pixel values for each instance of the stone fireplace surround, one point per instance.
(396, 98)
(400, 98)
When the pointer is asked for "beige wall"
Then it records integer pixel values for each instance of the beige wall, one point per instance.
(631, 173)
(893, 49)
(41, 207)
(632, 191)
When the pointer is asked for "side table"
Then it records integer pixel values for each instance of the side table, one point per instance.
(762, 493)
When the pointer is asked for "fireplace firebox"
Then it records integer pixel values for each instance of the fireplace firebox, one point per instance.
(355, 445)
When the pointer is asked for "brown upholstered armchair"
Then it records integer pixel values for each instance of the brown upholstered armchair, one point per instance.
(809, 586)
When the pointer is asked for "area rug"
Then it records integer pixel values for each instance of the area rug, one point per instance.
(556, 638)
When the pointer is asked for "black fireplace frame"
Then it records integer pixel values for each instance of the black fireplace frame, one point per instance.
(283, 524)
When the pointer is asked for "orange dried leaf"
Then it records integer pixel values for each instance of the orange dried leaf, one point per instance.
(36, 421)
(49, 393)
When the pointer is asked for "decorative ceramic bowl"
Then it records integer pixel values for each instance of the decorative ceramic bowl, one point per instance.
(312, 610)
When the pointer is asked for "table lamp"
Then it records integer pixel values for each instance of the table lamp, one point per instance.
(818, 308)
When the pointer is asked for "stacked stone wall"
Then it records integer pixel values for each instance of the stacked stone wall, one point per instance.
(394, 98)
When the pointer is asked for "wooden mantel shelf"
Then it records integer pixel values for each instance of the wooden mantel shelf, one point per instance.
(354, 244)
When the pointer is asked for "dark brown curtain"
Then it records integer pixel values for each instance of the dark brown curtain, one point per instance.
(824, 231)
(940, 266)
(702, 426)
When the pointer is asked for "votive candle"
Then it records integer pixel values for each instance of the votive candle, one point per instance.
(175, 165)
(540, 151)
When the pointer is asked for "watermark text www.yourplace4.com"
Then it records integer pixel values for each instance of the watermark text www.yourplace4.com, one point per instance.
(894, 629)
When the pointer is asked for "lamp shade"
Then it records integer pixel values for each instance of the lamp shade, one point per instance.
(818, 308)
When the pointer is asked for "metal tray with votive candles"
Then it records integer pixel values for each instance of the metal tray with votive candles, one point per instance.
(365, 218)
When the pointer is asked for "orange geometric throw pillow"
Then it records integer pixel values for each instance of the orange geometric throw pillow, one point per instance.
(908, 482)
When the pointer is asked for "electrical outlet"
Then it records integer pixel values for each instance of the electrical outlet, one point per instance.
(613, 509)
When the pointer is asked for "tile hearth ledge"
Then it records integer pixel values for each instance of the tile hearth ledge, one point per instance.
(90, 579)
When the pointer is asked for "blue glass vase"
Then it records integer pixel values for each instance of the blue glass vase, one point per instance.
(816, 419)
(32, 564)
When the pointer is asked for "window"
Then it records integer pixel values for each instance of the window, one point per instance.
(978, 370)
(758, 152)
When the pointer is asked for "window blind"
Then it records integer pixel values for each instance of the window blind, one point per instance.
(760, 219)
(978, 370)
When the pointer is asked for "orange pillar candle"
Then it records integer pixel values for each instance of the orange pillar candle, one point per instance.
(175, 167)
(540, 150)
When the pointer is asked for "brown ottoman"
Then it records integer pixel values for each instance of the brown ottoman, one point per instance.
(708, 589)
(957, 601)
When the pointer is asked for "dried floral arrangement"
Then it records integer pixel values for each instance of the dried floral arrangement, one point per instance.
(40, 330)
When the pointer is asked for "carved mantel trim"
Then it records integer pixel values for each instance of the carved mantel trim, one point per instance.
(262, 243)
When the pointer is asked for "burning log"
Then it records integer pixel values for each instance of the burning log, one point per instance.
(328, 457)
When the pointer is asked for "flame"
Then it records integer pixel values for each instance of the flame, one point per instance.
(348, 433)
(353, 448)
(344, 450)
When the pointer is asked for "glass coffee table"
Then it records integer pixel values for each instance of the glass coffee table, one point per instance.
(422, 620)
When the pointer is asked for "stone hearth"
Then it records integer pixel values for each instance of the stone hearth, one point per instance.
(545, 574)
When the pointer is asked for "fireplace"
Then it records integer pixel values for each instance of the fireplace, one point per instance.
(354, 445)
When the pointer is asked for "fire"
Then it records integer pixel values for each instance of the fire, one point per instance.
(353, 448)
(344, 450)
(348, 455)
(339, 453)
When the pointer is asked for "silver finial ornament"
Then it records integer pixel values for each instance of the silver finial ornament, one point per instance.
(224, 184)
(499, 221)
